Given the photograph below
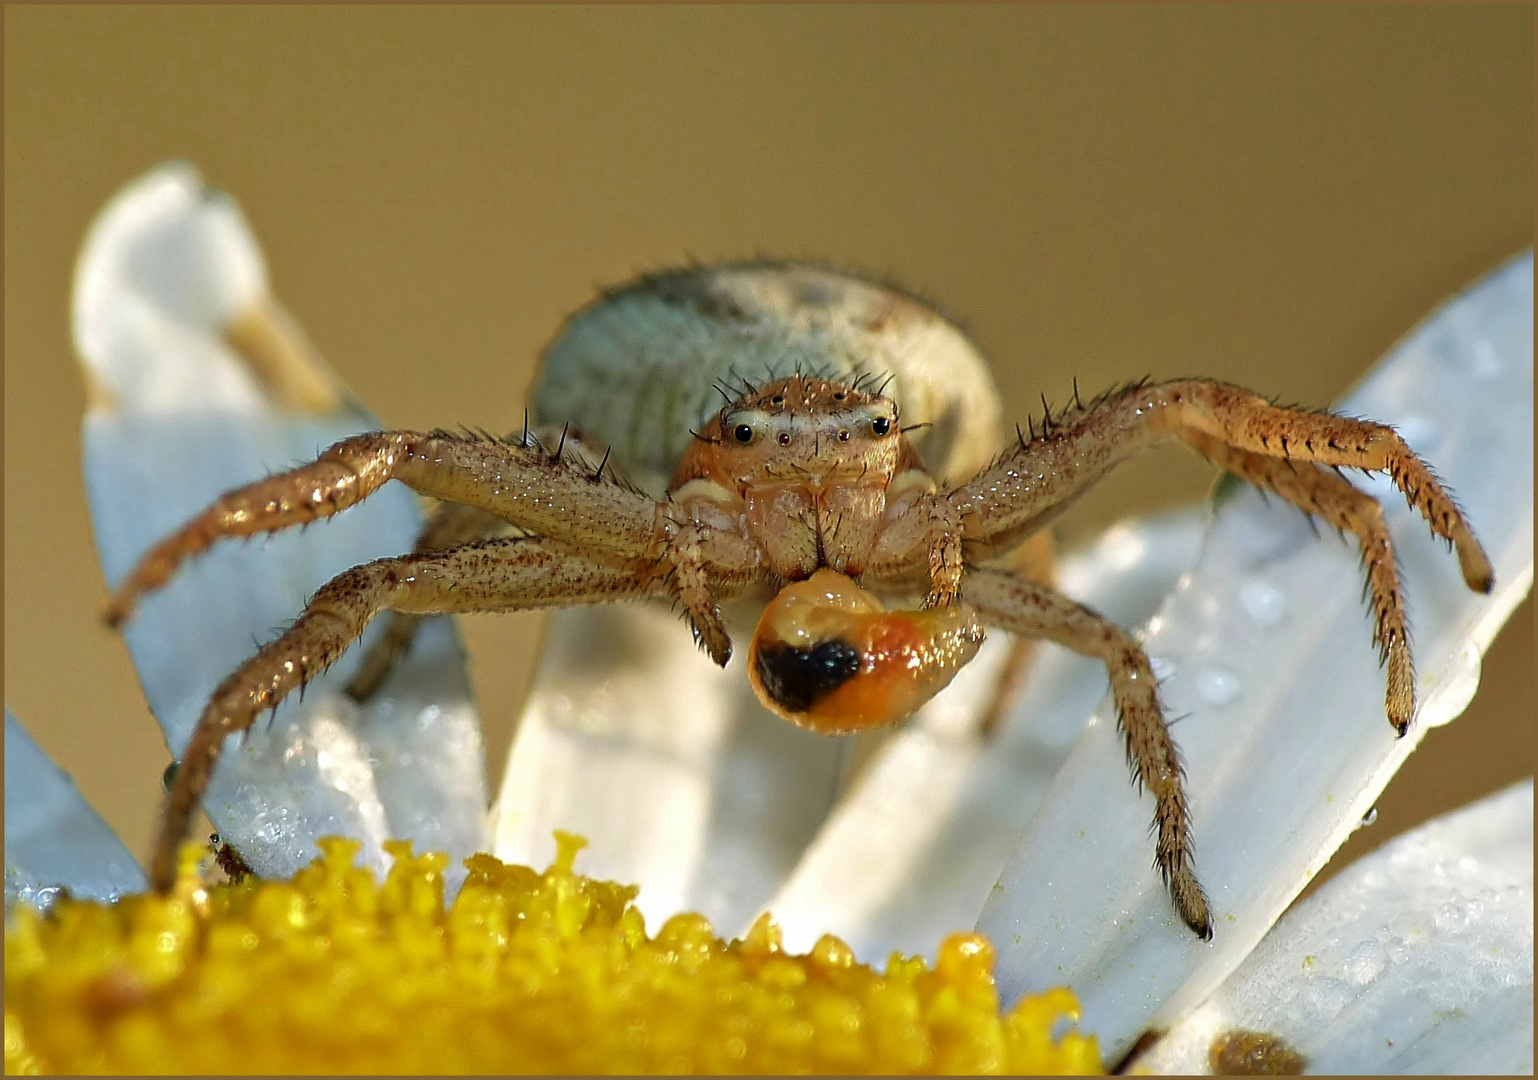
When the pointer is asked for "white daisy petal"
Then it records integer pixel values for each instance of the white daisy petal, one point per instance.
(165, 267)
(1266, 654)
(1416, 959)
(667, 764)
(200, 384)
(53, 839)
(914, 850)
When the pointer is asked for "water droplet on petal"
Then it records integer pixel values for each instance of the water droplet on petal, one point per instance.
(1217, 685)
(1369, 818)
(1365, 963)
(1407, 925)
(1451, 917)
(1263, 602)
(1329, 997)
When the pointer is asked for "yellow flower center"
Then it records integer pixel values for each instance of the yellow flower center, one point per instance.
(526, 972)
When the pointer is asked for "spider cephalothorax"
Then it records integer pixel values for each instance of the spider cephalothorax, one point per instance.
(803, 492)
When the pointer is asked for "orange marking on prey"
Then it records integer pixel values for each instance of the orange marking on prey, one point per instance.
(828, 656)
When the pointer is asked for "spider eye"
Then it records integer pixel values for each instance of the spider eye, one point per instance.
(743, 434)
(881, 425)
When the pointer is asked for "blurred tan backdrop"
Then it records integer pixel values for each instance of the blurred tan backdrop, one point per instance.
(1270, 196)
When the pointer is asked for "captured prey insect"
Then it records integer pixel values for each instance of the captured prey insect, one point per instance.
(805, 499)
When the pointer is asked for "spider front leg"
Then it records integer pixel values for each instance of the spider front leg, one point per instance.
(451, 525)
(518, 573)
(519, 481)
(1001, 599)
(1317, 491)
(1283, 450)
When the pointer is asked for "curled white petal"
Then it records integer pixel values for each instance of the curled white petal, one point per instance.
(1265, 653)
(165, 268)
(1416, 959)
(53, 839)
(168, 278)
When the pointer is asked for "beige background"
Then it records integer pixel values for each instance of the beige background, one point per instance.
(1270, 196)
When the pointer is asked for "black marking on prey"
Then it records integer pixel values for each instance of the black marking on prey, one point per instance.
(799, 678)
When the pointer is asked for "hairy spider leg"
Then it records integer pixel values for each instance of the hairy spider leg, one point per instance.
(1289, 451)
(514, 574)
(450, 525)
(524, 485)
(1036, 562)
(1317, 491)
(1001, 599)
(1033, 482)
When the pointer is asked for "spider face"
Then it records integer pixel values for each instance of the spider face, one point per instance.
(807, 464)
(817, 430)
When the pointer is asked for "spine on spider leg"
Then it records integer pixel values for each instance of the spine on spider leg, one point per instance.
(1155, 763)
(1425, 493)
(331, 622)
(1010, 602)
(1250, 423)
(344, 475)
(1050, 465)
(522, 484)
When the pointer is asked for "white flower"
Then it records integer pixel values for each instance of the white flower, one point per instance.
(685, 786)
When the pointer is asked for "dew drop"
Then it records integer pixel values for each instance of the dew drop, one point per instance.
(1365, 963)
(1456, 689)
(1217, 685)
(1451, 916)
(266, 829)
(1408, 926)
(1328, 997)
(1263, 601)
(1369, 818)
